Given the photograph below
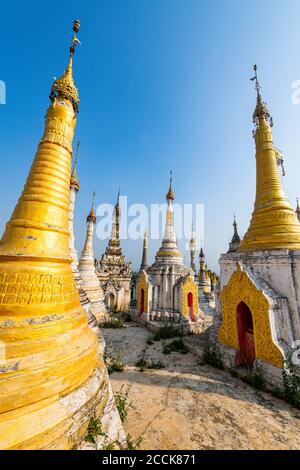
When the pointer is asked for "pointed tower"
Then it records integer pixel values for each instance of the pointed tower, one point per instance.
(297, 211)
(74, 189)
(169, 250)
(274, 224)
(192, 246)
(52, 380)
(90, 282)
(235, 241)
(168, 289)
(144, 263)
(113, 270)
(84, 300)
(257, 308)
(114, 247)
(202, 276)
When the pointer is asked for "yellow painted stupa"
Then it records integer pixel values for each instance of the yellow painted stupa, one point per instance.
(51, 379)
(274, 224)
(257, 309)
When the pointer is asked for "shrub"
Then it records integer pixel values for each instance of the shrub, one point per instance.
(114, 323)
(114, 364)
(149, 340)
(133, 445)
(212, 356)
(144, 364)
(122, 402)
(167, 331)
(291, 384)
(255, 378)
(177, 345)
(94, 430)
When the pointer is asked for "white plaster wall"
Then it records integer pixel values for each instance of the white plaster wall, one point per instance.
(280, 269)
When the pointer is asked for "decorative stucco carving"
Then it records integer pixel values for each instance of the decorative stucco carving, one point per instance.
(241, 288)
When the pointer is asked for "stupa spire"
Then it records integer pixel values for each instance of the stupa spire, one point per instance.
(144, 263)
(92, 216)
(235, 241)
(169, 233)
(170, 194)
(169, 246)
(192, 246)
(298, 210)
(64, 87)
(51, 353)
(274, 224)
(90, 282)
(74, 181)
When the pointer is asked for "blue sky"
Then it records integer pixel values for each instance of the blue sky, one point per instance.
(164, 84)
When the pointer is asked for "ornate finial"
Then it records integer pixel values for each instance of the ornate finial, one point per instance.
(234, 224)
(74, 181)
(298, 209)
(279, 159)
(76, 154)
(261, 108)
(92, 216)
(64, 87)
(192, 240)
(170, 193)
(257, 84)
(235, 241)
(75, 40)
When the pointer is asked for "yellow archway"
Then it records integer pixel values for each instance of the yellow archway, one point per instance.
(142, 283)
(240, 288)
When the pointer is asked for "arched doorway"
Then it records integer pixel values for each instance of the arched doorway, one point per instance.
(246, 352)
(111, 301)
(191, 306)
(142, 301)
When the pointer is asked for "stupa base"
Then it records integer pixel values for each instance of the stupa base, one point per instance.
(57, 423)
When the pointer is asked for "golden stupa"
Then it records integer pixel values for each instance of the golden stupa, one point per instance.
(274, 224)
(51, 379)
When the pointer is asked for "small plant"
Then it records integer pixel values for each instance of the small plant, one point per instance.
(149, 340)
(114, 364)
(141, 364)
(212, 356)
(108, 446)
(144, 364)
(177, 345)
(122, 402)
(166, 332)
(114, 323)
(291, 383)
(156, 365)
(94, 430)
(125, 316)
(133, 445)
(255, 378)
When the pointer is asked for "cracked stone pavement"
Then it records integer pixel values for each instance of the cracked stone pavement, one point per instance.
(187, 405)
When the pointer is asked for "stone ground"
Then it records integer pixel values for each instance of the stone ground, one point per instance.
(187, 405)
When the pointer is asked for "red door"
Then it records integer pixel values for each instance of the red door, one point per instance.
(191, 306)
(246, 352)
(142, 303)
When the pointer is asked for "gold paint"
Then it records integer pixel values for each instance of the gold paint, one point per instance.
(50, 350)
(189, 285)
(274, 224)
(168, 253)
(170, 194)
(143, 283)
(240, 288)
